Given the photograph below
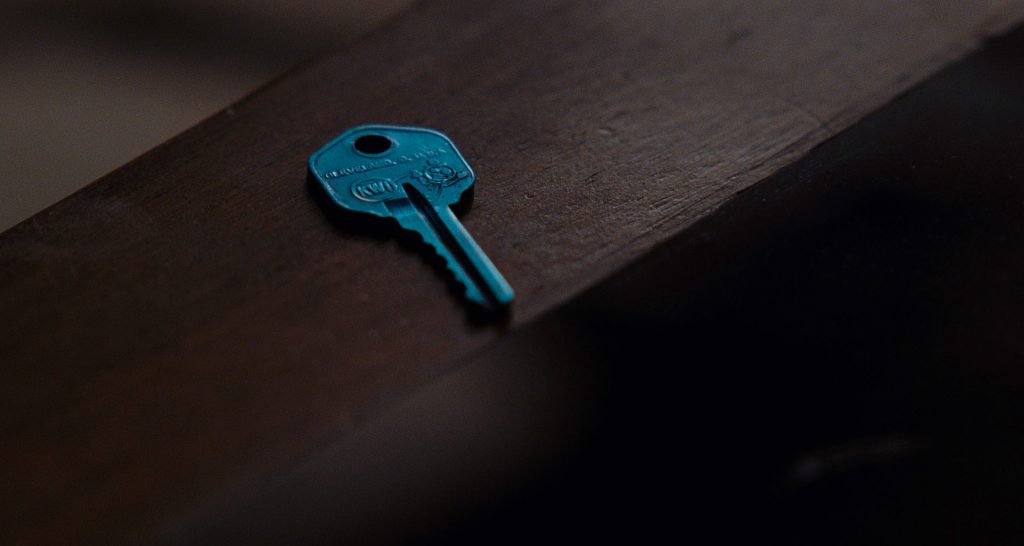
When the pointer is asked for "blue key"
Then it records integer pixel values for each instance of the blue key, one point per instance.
(413, 175)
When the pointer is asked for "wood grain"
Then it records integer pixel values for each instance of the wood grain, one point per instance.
(194, 322)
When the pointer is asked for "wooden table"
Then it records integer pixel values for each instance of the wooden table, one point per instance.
(190, 328)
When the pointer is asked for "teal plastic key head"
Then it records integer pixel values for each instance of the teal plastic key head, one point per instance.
(369, 165)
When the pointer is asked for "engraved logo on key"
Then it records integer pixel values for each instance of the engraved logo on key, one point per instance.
(439, 174)
(374, 190)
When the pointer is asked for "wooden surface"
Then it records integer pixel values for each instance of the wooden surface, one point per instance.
(194, 322)
(833, 357)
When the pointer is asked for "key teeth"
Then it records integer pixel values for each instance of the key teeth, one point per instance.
(453, 269)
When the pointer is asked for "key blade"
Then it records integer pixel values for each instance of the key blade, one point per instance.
(492, 283)
(410, 217)
(484, 284)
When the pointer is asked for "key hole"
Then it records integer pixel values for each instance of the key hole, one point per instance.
(372, 144)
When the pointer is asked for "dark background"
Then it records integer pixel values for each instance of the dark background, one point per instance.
(88, 85)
